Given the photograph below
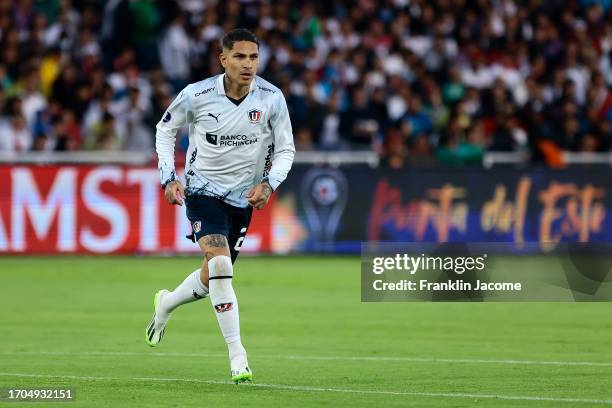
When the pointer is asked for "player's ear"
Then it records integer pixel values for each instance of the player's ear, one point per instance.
(222, 58)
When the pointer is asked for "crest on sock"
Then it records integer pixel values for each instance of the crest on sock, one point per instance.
(223, 307)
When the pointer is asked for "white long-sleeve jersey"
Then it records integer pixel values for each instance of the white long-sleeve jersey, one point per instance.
(231, 148)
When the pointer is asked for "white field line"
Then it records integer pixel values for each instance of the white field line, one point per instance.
(322, 390)
(318, 358)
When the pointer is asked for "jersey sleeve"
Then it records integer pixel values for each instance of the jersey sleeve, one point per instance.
(284, 149)
(176, 116)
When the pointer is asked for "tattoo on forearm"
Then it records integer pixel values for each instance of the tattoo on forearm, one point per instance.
(215, 240)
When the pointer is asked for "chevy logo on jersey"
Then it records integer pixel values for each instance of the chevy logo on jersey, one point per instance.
(254, 115)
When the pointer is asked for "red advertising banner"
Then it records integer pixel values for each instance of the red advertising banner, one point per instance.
(98, 209)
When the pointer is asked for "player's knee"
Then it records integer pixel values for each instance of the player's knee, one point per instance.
(220, 265)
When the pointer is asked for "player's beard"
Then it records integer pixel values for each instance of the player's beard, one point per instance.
(242, 84)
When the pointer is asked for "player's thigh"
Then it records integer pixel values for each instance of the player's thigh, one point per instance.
(210, 222)
(239, 224)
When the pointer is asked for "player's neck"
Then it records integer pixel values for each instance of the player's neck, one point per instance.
(233, 89)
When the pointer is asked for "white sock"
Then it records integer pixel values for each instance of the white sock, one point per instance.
(224, 302)
(190, 290)
(237, 355)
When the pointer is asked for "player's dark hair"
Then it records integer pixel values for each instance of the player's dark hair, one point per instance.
(239, 34)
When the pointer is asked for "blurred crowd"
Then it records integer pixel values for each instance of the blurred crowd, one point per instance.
(417, 81)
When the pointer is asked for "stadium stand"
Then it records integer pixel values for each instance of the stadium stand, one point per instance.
(413, 82)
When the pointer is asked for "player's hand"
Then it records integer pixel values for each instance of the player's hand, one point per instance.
(174, 193)
(259, 195)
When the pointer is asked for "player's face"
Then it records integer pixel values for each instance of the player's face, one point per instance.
(241, 62)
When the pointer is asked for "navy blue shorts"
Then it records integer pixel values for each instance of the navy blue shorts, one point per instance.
(209, 215)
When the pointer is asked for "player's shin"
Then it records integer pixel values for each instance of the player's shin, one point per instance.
(190, 290)
(224, 302)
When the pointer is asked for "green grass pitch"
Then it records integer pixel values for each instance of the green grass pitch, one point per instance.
(79, 322)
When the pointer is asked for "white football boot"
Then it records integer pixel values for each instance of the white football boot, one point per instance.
(157, 326)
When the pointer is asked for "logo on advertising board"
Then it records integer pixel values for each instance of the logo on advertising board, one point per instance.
(324, 195)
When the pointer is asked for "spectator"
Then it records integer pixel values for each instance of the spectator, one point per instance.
(418, 121)
(14, 135)
(462, 149)
(174, 51)
(138, 136)
(360, 124)
(32, 98)
(103, 135)
(330, 133)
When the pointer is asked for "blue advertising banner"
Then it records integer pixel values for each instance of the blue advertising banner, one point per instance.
(335, 209)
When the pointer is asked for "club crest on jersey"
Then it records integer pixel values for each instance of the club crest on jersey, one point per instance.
(197, 226)
(223, 307)
(254, 115)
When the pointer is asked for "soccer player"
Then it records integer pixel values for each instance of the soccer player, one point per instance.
(240, 149)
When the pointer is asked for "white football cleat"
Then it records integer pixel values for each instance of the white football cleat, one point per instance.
(240, 369)
(156, 328)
